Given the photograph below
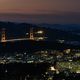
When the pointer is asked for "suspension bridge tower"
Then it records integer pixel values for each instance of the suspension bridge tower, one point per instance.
(3, 35)
(31, 34)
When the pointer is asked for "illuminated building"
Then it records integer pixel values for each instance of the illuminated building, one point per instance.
(67, 51)
(40, 32)
(52, 68)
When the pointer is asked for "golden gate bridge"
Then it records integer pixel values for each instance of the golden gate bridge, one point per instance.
(31, 36)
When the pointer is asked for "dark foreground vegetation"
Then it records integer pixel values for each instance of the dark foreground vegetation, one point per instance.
(19, 71)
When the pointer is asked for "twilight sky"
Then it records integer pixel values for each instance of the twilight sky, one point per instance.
(59, 11)
(39, 6)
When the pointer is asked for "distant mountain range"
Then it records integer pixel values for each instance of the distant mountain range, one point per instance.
(52, 31)
(66, 27)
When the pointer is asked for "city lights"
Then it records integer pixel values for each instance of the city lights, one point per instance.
(40, 38)
(52, 68)
(39, 32)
